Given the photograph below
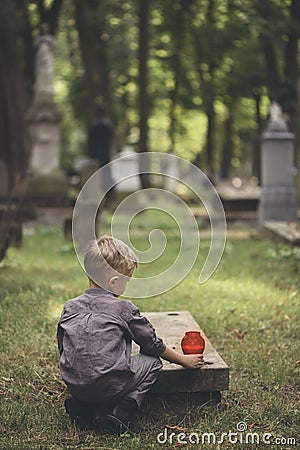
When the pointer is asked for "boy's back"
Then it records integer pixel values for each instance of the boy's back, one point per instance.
(95, 334)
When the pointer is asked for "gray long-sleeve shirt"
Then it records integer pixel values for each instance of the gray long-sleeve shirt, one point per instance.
(94, 336)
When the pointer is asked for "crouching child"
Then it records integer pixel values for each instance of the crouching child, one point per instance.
(95, 334)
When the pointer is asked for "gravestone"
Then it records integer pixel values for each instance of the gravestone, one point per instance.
(125, 171)
(278, 195)
(88, 200)
(88, 168)
(173, 379)
(170, 169)
(47, 179)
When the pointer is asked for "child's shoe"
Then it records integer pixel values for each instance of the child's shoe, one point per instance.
(81, 413)
(124, 418)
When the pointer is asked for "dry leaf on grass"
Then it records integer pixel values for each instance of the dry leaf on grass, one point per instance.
(239, 334)
(253, 425)
(175, 427)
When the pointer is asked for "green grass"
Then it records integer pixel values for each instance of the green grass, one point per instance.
(255, 290)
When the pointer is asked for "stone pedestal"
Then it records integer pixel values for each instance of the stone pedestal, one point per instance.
(47, 179)
(278, 195)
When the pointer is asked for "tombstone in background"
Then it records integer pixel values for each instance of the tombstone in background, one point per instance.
(278, 196)
(87, 169)
(169, 167)
(127, 167)
(47, 178)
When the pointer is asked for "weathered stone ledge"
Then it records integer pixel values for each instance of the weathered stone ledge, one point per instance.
(286, 232)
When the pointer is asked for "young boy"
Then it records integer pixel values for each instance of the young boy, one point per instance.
(94, 335)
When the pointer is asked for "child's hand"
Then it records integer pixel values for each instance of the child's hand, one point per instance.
(187, 361)
(193, 361)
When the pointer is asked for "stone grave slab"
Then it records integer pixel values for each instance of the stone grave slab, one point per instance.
(213, 376)
(280, 231)
(245, 198)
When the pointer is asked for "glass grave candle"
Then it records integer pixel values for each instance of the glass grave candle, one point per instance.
(192, 343)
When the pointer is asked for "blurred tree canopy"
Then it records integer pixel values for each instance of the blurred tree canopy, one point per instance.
(191, 77)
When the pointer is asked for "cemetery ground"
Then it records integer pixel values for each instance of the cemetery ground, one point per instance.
(249, 310)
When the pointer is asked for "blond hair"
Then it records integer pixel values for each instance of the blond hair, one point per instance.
(109, 255)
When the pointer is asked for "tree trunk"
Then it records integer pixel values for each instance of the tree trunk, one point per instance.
(14, 86)
(271, 66)
(210, 137)
(256, 149)
(92, 37)
(177, 27)
(292, 65)
(292, 105)
(172, 114)
(144, 13)
(228, 145)
(50, 14)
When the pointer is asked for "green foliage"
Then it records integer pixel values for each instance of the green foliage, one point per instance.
(222, 44)
(284, 252)
(205, 57)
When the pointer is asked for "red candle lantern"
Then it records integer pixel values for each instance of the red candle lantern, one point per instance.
(192, 343)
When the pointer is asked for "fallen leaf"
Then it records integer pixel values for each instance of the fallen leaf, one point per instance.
(238, 333)
(48, 391)
(175, 427)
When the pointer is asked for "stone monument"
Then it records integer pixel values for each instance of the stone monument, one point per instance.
(125, 171)
(47, 179)
(278, 196)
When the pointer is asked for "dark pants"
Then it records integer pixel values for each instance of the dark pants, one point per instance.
(145, 369)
